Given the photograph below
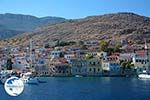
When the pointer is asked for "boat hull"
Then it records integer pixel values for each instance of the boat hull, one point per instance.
(144, 76)
(30, 80)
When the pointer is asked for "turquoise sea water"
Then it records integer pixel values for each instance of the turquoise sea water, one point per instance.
(84, 88)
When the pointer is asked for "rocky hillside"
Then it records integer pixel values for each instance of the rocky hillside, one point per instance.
(12, 24)
(119, 26)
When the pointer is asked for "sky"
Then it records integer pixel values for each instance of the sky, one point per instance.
(73, 9)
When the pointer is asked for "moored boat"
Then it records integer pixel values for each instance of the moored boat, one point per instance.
(144, 75)
(28, 78)
(78, 76)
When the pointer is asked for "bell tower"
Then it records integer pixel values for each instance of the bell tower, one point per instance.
(147, 57)
(145, 46)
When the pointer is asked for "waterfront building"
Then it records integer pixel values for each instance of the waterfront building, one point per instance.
(42, 70)
(60, 70)
(59, 67)
(141, 61)
(111, 66)
(94, 67)
(78, 67)
(86, 67)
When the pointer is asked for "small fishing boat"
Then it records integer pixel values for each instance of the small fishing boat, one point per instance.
(78, 76)
(28, 78)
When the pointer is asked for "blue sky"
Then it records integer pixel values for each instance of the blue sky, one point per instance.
(74, 8)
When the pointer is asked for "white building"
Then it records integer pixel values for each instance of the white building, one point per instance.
(141, 61)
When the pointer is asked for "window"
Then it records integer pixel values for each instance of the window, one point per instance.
(94, 69)
(76, 70)
(79, 70)
(89, 62)
(106, 65)
(63, 71)
(142, 62)
(90, 69)
(93, 63)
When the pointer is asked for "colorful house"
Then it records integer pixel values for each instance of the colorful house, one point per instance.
(111, 65)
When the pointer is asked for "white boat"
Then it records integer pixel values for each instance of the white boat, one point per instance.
(144, 75)
(78, 76)
(28, 78)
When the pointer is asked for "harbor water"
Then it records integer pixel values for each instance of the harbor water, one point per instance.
(84, 88)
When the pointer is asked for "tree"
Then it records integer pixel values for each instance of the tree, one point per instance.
(72, 43)
(46, 45)
(104, 45)
(62, 43)
(117, 47)
(89, 56)
(57, 43)
(9, 64)
(82, 45)
(109, 51)
(126, 65)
